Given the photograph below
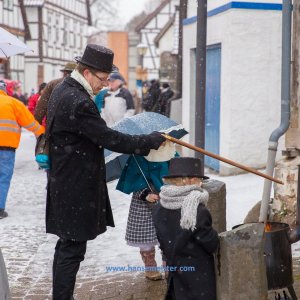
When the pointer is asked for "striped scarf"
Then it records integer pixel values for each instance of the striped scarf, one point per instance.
(187, 198)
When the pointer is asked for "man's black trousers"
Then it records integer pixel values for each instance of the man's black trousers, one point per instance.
(67, 258)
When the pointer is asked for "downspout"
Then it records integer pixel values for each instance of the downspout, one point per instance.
(200, 77)
(285, 106)
(182, 15)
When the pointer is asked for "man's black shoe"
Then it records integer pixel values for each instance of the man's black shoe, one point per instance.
(3, 213)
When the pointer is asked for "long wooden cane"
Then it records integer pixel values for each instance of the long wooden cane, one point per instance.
(228, 161)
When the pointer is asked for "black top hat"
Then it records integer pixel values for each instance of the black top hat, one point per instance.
(185, 167)
(97, 57)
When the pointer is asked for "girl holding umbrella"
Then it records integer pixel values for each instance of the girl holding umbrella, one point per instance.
(142, 176)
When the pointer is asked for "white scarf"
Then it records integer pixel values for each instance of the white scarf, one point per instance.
(186, 197)
(79, 78)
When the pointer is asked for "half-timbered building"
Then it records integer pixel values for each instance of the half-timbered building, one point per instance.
(150, 28)
(59, 33)
(13, 19)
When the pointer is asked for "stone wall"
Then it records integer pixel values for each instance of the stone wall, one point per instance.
(217, 203)
(4, 288)
(284, 205)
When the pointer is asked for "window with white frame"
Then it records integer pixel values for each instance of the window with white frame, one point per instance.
(8, 4)
(57, 28)
(49, 27)
(66, 26)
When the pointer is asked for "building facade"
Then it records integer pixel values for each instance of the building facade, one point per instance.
(166, 43)
(133, 57)
(13, 19)
(242, 80)
(58, 34)
(149, 29)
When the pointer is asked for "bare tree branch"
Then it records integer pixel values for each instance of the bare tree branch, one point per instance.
(105, 14)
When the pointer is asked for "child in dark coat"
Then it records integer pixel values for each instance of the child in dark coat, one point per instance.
(184, 230)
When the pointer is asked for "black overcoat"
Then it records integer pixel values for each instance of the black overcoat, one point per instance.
(164, 102)
(78, 206)
(192, 250)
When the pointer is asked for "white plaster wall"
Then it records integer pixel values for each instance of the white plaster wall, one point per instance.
(189, 42)
(250, 82)
(51, 72)
(1, 15)
(30, 76)
(166, 42)
(32, 14)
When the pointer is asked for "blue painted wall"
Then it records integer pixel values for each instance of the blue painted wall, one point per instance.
(212, 105)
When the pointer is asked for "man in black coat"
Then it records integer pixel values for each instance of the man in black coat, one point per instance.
(78, 206)
(150, 100)
(165, 96)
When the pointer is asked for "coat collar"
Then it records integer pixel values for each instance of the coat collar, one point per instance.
(80, 78)
(74, 83)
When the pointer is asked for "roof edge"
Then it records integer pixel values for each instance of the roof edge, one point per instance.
(150, 16)
(164, 30)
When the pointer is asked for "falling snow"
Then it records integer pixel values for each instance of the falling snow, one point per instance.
(28, 250)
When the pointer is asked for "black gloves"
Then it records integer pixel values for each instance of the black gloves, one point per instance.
(156, 139)
(144, 194)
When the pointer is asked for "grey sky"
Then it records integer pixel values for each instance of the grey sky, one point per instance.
(130, 8)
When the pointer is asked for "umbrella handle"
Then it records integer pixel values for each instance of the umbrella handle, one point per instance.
(143, 173)
(228, 161)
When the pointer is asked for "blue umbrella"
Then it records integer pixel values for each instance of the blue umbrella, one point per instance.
(143, 123)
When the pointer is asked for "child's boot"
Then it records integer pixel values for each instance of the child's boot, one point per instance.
(149, 261)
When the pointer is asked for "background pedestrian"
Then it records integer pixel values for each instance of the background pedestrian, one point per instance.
(118, 101)
(13, 116)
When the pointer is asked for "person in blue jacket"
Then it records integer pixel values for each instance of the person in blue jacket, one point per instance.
(99, 99)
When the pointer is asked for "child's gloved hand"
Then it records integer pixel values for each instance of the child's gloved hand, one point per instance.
(152, 198)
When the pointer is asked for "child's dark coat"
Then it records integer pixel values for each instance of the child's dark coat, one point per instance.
(186, 248)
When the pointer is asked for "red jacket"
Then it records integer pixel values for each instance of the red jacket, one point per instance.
(32, 102)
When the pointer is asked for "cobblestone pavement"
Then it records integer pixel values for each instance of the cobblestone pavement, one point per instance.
(35, 282)
(124, 286)
(119, 287)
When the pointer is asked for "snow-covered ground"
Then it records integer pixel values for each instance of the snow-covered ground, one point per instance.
(23, 238)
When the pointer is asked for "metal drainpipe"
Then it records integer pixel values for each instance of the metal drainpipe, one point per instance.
(285, 106)
(200, 78)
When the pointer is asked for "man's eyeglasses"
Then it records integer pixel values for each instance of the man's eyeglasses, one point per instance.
(101, 79)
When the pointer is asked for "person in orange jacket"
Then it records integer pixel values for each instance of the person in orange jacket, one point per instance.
(13, 116)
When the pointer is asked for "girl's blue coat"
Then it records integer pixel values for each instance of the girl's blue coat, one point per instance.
(132, 180)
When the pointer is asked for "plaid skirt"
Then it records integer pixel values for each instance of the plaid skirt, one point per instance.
(140, 227)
